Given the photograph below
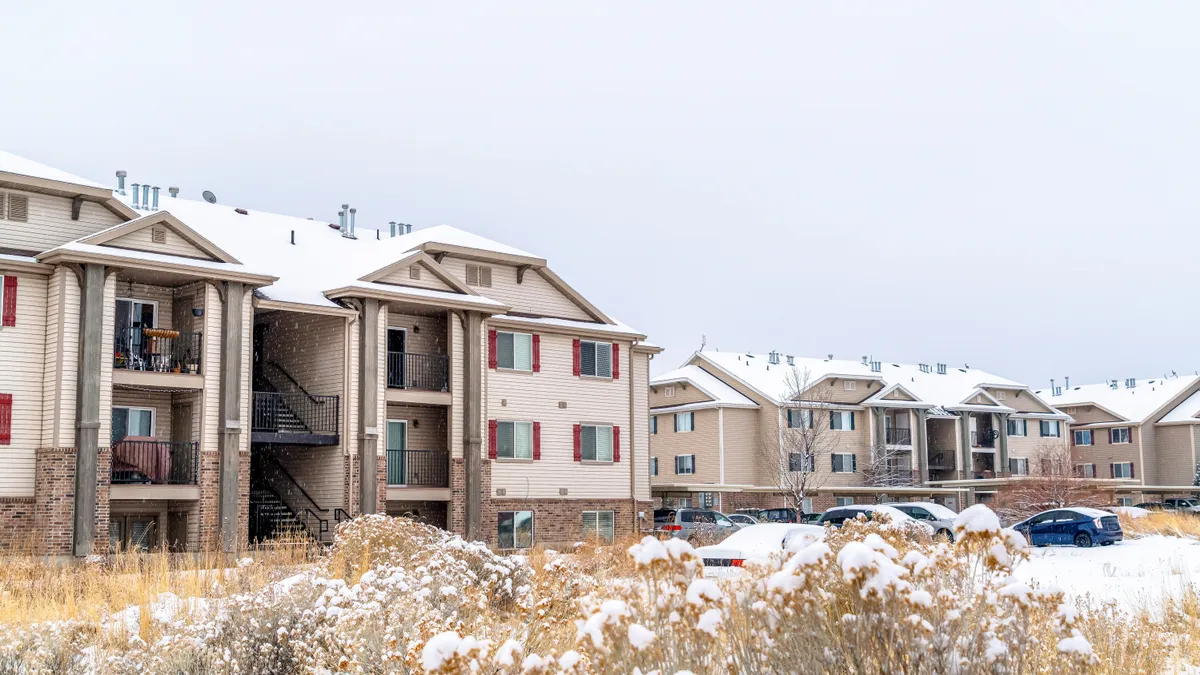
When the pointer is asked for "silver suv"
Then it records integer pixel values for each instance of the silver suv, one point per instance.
(939, 517)
(693, 524)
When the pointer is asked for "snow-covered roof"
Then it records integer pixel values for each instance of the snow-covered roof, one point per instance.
(1132, 403)
(718, 391)
(10, 163)
(949, 391)
(1186, 411)
(149, 256)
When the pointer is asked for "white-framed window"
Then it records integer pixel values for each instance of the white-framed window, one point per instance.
(596, 443)
(844, 462)
(131, 421)
(685, 465)
(802, 461)
(514, 440)
(1000, 395)
(1018, 466)
(1083, 437)
(514, 351)
(1017, 427)
(668, 391)
(479, 275)
(514, 529)
(595, 358)
(849, 385)
(844, 501)
(653, 424)
(1085, 470)
(1118, 435)
(1122, 470)
(799, 419)
(598, 524)
(685, 421)
(1049, 428)
(806, 505)
(1124, 501)
(841, 420)
(653, 466)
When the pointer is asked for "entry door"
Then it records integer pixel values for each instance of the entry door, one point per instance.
(397, 339)
(132, 317)
(397, 458)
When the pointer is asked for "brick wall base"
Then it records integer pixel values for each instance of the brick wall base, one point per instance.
(54, 500)
(558, 523)
(432, 513)
(208, 534)
(17, 515)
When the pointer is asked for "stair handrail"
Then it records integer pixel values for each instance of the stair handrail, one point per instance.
(340, 514)
(322, 523)
(289, 476)
(299, 386)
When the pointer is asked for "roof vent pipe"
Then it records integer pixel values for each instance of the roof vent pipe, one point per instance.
(146, 196)
(392, 225)
(175, 193)
(155, 197)
(1052, 387)
(408, 228)
(121, 182)
(135, 195)
(342, 218)
(352, 212)
(293, 237)
(1067, 382)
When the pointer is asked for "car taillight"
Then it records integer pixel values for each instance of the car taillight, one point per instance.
(1099, 525)
(736, 562)
(673, 528)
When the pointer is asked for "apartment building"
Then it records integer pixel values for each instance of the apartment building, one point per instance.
(889, 431)
(188, 374)
(1140, 431)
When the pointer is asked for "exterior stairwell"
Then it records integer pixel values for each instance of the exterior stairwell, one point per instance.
(280, 503)
(269, 516)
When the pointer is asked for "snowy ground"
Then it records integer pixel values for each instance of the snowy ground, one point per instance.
(1137, 573)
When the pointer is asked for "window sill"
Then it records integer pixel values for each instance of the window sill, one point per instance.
(517, 371)
(597, 461)
(515, 460)
(600, 378)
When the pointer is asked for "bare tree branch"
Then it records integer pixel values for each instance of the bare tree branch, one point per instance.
(1053, 482)
(796, 458)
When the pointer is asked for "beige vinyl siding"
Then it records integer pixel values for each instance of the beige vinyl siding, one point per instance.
(1173, 447)
(830, 391)
(164, 316)
(22, 353)
(684, 394)
(318, 470)
(107, 339)
(898, 395)
(310, 347)
(424, 334)
(457, 375)
(381, 381)
(768, 417)
(426, 425)
(1148, 445)
(703, 442)
(402, 277)
(69, 358)
(246, 368)
(1021, 401)
(52, 377)
(857, 442)
(1102, 453)
(1088, 414)
(50, 223)
(211, 367)
(160, 402)
(639, 368)
(536, 397)
(744, 455)
(173, 244)
(534, 295)
(943, 440)
(1031, 445)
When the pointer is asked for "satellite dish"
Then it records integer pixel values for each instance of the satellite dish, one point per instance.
(209, 197)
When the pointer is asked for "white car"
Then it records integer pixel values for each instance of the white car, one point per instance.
(840, 514)
(743, 519)
(757, 543)
(939, 517)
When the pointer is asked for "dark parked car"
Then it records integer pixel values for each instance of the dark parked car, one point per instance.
(787, 515)
(686, 523)
(1080, 526)
(1184, 504)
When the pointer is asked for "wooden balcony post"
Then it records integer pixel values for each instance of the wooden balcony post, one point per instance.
(229, 406)
(87, 424)
(922, 446)
(472, 424)
(368, 406)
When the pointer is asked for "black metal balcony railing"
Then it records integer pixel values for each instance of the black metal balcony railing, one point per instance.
(158, 350)
(899, 436)
(984, 439)
(409, 370)
(418, 468)
(277, 412)
(155, 462)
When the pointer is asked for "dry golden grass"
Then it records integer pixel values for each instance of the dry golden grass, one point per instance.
(1167, 523)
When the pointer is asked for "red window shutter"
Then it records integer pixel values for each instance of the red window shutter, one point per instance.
(616, 363)
(10, 300)
(578, 438)
(493, 425)
(492, 349)
(575, 367)
(537, 439)
(616, 434)
(537, 353)
(5, 418)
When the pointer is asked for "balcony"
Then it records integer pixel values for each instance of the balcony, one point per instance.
(425, 372)
(157, 350)
(295, 418)
(418, 468)
(984, 439)
(899, 436)
(140, 460)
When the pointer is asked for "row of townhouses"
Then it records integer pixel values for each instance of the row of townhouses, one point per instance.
(721, 424)
(188, 374)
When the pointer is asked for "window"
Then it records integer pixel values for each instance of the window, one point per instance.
(669, 392)
(1085, 470)
(685, 465)
(1018, 466)
(806, 505)
(1118, 435)
(653, 466)
(514, 351)
(132, 422)
(515, 529)
(1016, 427)
(1124, 501)
(595, 358)
(849, 385)
(685, 421)
(799, 419)
(1049, 428)
(514, 440)
(802, 461)
(841, 420)
(598, 524)
(844, 462)
(844, 501)
(1122, 470)
(596, 443)
(654, 424)
(479, 275)
(1083, 437)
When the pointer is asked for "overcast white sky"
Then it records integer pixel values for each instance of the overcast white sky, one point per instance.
(923, 182)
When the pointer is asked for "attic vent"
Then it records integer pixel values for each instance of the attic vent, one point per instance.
(1058, 391)
(876, 366)
(158, 235)
(479, 275)
(414, 272)
(1130, 382)
(924, 368)
(18, 208)
(1001, 395)
(1112, 384)
(941, 369)
(791, 360)
(849, 385)
(773, 358)
(669, 392)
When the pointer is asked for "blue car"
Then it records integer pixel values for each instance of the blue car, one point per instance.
(1080, 526)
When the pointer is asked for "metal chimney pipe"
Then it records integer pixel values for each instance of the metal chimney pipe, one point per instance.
(135, 195)
(408, 228)
(342, 213)
(377, 237)
(342, 221)
(146, 196)
(174, 192)
(121, 182)
(155, 197)
(392, 225)
(352, 212)
(1067, 382)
